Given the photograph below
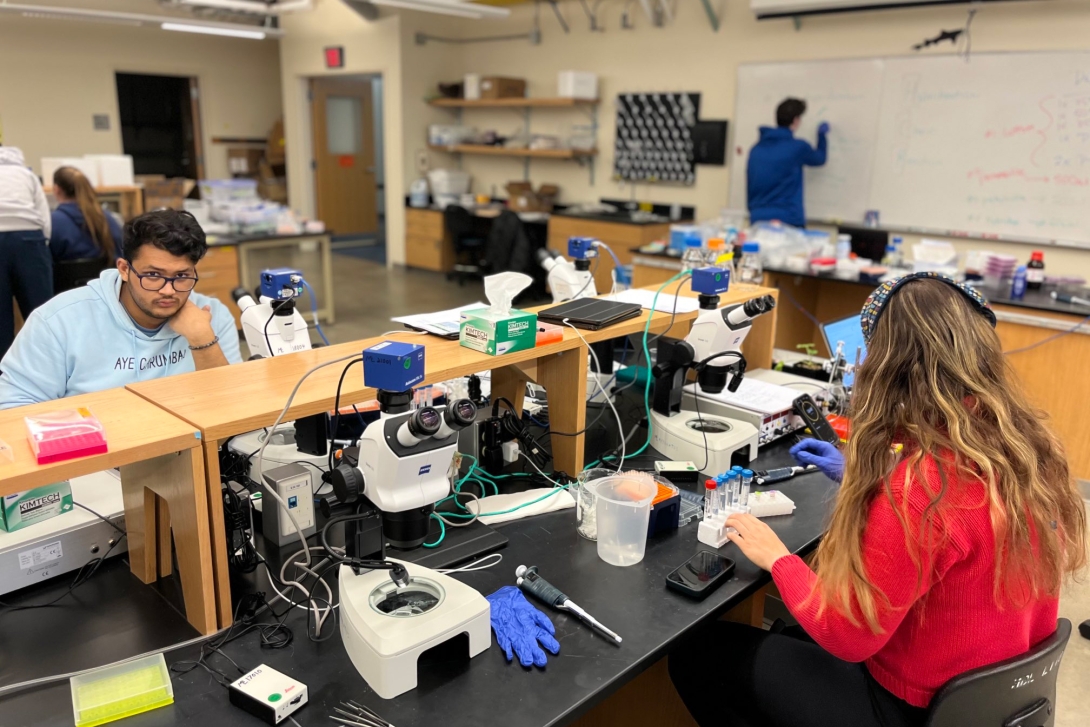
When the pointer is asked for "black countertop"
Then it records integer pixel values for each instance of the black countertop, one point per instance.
(615, 219)
(238, 239)
(632, 601)
(1034, 300)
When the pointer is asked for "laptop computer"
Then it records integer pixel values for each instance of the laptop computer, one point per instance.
(850, 331)
(590, 313)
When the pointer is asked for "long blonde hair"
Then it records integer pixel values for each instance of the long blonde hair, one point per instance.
(935, 378)
(77, 187)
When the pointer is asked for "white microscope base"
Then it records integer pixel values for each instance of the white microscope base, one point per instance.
(676, 440)
(385, 649)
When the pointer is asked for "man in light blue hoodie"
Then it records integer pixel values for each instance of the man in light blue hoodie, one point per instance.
(137, 322)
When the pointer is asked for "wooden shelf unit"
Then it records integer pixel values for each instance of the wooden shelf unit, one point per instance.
(511, 103)
(500, 151)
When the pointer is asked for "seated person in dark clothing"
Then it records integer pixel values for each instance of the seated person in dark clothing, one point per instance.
(81, 229)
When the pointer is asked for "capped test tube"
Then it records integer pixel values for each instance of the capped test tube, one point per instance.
(747, 483)
(720, 492)
(711, 500)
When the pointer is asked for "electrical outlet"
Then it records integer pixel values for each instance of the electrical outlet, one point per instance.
(423, 161)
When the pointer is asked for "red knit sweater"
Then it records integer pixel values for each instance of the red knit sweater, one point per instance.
(938, 628)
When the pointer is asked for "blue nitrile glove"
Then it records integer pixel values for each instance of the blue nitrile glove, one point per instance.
(519, 627)
(822, 455)
(823, 128)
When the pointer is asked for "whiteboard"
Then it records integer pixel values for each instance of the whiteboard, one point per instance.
(847, 94)
(996, 147)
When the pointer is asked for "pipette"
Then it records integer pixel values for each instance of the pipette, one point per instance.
(769, 477)
(535, 585)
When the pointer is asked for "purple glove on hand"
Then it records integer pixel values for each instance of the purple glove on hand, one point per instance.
(822, 455)
(823, 128)
(520, 627)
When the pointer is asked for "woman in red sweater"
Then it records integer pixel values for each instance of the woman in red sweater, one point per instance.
(943, 554)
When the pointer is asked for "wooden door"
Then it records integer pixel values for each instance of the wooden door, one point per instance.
(344, 155)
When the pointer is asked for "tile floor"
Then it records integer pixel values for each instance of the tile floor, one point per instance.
(369, 294)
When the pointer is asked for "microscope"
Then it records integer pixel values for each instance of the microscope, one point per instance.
(713, 350)
(272, 325)
(570, 279)
(393, 611)
(402, 463)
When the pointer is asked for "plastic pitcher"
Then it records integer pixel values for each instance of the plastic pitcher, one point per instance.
(623, 510)
(585, 509)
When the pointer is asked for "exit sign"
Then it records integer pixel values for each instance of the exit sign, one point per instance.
(334, 57)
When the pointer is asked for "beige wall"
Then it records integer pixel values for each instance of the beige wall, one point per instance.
(55, 74)
(377, 47)
(684, 56)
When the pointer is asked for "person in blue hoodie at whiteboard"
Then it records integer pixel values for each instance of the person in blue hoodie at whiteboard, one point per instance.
(138, 321)
(774, 172)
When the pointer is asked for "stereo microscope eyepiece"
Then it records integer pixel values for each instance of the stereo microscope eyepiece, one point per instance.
(458, 415)
(421, 424)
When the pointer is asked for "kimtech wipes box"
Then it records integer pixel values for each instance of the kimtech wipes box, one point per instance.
(33, 506)
(484, 330)
(499, 329)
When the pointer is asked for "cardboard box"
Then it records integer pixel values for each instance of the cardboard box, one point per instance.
(276, 149)
(496, 334)
(521, 197)
(243, 161)
(165, 194)
(21, 509)
(500, 87)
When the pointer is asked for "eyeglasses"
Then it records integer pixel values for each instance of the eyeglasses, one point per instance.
(156, 282)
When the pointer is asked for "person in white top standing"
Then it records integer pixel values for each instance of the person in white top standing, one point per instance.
(26, 268)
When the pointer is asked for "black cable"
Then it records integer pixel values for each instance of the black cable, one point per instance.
(109, 522)
(593, 272)
(337, 405)
(275, 308)
(703, 431)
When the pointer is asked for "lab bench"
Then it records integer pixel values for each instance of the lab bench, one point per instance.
(162, 474)
(1052, 373)
(428, 245)
(589, 683)
(236, 261)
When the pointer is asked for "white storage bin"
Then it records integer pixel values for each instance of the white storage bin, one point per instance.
(577, 84)
(51, 164)
(114, 170)
(471, 87)
(448, 181)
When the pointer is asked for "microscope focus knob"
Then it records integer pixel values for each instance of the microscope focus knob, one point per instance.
(348, 483)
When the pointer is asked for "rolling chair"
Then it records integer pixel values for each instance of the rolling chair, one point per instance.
(69, 274)
(1018, 692)
(468, 242)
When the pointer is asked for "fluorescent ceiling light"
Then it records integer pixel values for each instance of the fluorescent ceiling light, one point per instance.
(457, 9)
(139, 19)
(214, 30)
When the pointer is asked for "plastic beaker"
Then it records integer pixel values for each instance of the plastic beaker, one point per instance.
(585, 512)
(623, 510)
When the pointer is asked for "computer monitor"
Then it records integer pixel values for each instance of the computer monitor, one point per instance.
(850, 331)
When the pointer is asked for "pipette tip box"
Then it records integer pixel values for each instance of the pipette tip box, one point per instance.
(110, 694)
(67, 434)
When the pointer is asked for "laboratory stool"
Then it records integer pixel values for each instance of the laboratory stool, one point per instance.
(1018, 692)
